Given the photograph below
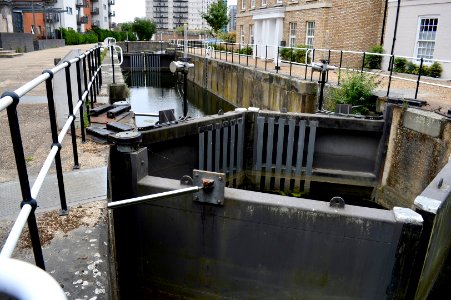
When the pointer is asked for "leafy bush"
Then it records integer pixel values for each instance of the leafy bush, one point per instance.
(400, 65)
(293, 54)
(408, 67)
(374, 61)
(435, 70)
(229, 37)
(246, 51)
(356, 89)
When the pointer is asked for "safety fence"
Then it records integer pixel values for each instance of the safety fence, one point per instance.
(301, 62)
(89, 80)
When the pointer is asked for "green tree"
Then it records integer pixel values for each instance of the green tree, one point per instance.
(216, 16)
(144, 28)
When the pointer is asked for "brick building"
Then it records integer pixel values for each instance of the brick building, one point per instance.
(333, 24)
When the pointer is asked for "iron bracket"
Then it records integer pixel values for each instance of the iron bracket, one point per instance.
(212, 187)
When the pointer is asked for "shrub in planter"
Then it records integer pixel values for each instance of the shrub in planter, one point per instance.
(246, 50)
(356, 89)
(435, 70)
(400, 65)
(374, 61)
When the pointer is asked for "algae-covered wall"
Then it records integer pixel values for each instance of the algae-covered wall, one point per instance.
(419, 146)
(246, 86)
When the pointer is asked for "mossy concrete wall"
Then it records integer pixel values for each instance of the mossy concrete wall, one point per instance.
(246, 86)
(419, 147)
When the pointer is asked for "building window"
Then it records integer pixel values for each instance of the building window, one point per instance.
(104, 6)
(427, 30)
(69, 10)
(263, 2)
(241, 34)
(279, 1)
(310, 33)
(252, 3)
(105, 19)
(251, 34)
(292, 40)
(243, 4)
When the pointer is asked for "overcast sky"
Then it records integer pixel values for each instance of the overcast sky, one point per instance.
(128, 10)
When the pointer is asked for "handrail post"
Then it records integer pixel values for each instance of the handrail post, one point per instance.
(89, 96)
(80, 96)
(391, 64)
(96, 63)
(233, 48)
(313, 59)
(54, 129)
(94, 84)
(363, 62)
(21, 165)
(112, 62)
(247, 56)
(339, 68)
(71, 114)
(100, 63)
(91, 90)
(419, 77)
(328, 59)
(266, 56)
(291, 59)
(239, 53)
(226, 51)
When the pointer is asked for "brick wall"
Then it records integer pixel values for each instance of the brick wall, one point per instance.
(16, 41)
(339, 24)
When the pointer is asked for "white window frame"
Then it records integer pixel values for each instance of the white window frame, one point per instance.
(252, 3)
(418, 40)
(279, 1)
(243, 4)
(291, 36)
(242, 34)
(264, 3)
(309, 36)
(251, 34)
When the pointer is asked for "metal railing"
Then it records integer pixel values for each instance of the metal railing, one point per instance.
(88, 86)
(260, 56)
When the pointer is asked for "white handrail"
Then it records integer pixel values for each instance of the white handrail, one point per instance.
(15, 232)
(25, 281)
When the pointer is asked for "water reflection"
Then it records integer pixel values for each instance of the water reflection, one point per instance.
(151, 92)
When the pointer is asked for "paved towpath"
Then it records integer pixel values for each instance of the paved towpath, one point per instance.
(81, 186)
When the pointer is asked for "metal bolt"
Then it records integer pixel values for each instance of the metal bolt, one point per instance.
(219, 201)
(220, 178)
(440, 183)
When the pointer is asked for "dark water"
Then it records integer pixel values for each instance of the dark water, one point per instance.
(151, 92)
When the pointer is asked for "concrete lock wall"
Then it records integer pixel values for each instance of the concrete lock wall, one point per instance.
(419, 146)
(260, 246)
(245, 86)
(47, 44)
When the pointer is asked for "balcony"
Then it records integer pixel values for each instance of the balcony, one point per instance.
(94, 11)
(52, 18)
(82, 3)
(112, 13)
(82, 20)
(111, 2)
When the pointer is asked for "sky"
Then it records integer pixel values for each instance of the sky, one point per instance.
(128, 10)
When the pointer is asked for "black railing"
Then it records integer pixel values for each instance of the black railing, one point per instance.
(10, 100)
(339, 60)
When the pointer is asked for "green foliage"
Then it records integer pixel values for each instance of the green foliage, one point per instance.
(246, 51)
(400, 65)
(229, 37)
(435, 70)
(216, 16)
(374, 61)
(408, 67)
(144, 28)
(297, 56)
(356, 89)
